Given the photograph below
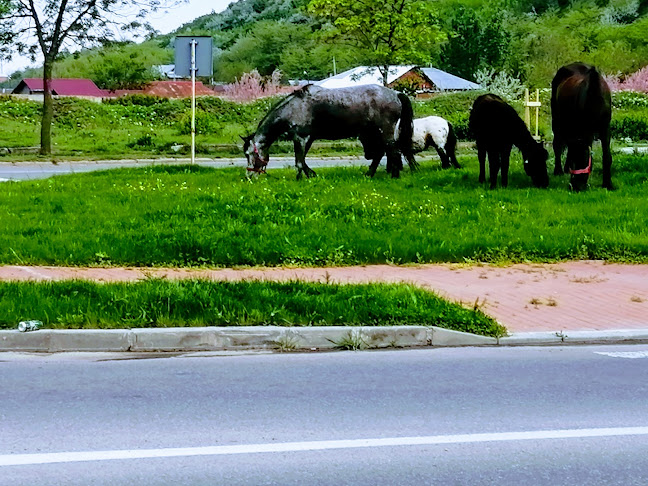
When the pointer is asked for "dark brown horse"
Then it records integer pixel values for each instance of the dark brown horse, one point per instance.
(580, 112)
(496, 127)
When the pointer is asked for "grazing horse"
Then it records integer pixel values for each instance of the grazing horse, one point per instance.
(312, 113)
(581, 110)
(434, 131)
(497, 127)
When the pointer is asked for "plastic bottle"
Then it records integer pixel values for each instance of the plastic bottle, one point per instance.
(24, 326)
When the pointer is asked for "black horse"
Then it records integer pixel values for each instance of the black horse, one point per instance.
(581, 110)
(312, 113)
(496, 127)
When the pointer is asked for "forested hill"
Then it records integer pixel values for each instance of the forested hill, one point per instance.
(245, 12)
(527, 39)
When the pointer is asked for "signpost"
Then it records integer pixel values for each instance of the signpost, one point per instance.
(193, 57)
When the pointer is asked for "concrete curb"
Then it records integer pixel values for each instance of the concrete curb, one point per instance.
(287, 339)
(236, 338)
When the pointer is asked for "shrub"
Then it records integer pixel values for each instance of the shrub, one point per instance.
(454, 107)
(205, 123)
(633, 126)
(502, 84)
(136, 99)
(629, 99)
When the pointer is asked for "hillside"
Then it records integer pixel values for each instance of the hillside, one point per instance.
(528, 39)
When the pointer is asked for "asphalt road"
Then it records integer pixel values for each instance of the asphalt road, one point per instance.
(40, 170)
(568, 415)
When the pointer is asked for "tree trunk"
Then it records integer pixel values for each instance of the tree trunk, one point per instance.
(48, 109)
(385, 73)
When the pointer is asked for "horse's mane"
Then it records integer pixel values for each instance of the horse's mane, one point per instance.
(298, 93)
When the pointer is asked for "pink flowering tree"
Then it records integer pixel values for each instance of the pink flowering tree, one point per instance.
(637, 81)
(252, 86)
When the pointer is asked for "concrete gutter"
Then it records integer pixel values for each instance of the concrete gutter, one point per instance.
(286, 339)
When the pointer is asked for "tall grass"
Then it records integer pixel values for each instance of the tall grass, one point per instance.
(192, 216)
(161, 303)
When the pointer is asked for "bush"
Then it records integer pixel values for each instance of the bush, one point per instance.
(454, 107)
(633, 126)
(629, 99)
(136, 99)
(205, 123)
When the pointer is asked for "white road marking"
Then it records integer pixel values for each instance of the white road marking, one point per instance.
(625, 354)
(64, 457)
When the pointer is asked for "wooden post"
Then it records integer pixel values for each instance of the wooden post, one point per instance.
(527, 116)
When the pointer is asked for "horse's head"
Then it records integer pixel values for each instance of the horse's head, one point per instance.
(256, 155)
(579, 161)
(535, 165)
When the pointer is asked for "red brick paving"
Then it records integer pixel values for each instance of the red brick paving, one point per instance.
(582, 295)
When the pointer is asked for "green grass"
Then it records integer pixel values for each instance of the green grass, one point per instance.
(193, 216)
(162, 303)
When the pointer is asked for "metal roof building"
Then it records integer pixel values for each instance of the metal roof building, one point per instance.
(363, 75)
(431, 79)
(446, 81)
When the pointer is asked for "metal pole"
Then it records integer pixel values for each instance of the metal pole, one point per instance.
(193, 101)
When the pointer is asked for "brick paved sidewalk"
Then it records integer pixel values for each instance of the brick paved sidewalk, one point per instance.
(583, 295)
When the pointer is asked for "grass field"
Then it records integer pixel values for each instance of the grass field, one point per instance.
(192, 216)
(161, 303)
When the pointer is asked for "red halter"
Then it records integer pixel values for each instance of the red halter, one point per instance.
(258, 170)
(586, 170)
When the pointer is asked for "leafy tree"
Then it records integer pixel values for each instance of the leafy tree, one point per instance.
(479, 39)
(261, 49)
(119, 71)
(387, 32)
(316, 60)
(46, 27)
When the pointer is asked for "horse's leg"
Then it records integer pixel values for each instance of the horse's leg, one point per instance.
(558, 147)
(300, 145)
(451, 147)
(394, 160)
(607, 159)
(505, 158)
(481, 155)
(445, 160)
(307, 170)
(493, 166)
(371, 152)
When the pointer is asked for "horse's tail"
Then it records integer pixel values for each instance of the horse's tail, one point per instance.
(451, 146)
(404, 141)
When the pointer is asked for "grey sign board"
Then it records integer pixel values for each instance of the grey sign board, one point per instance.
(204, 59)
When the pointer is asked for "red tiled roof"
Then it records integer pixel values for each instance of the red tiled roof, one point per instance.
(65, 87)
(176, 89)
